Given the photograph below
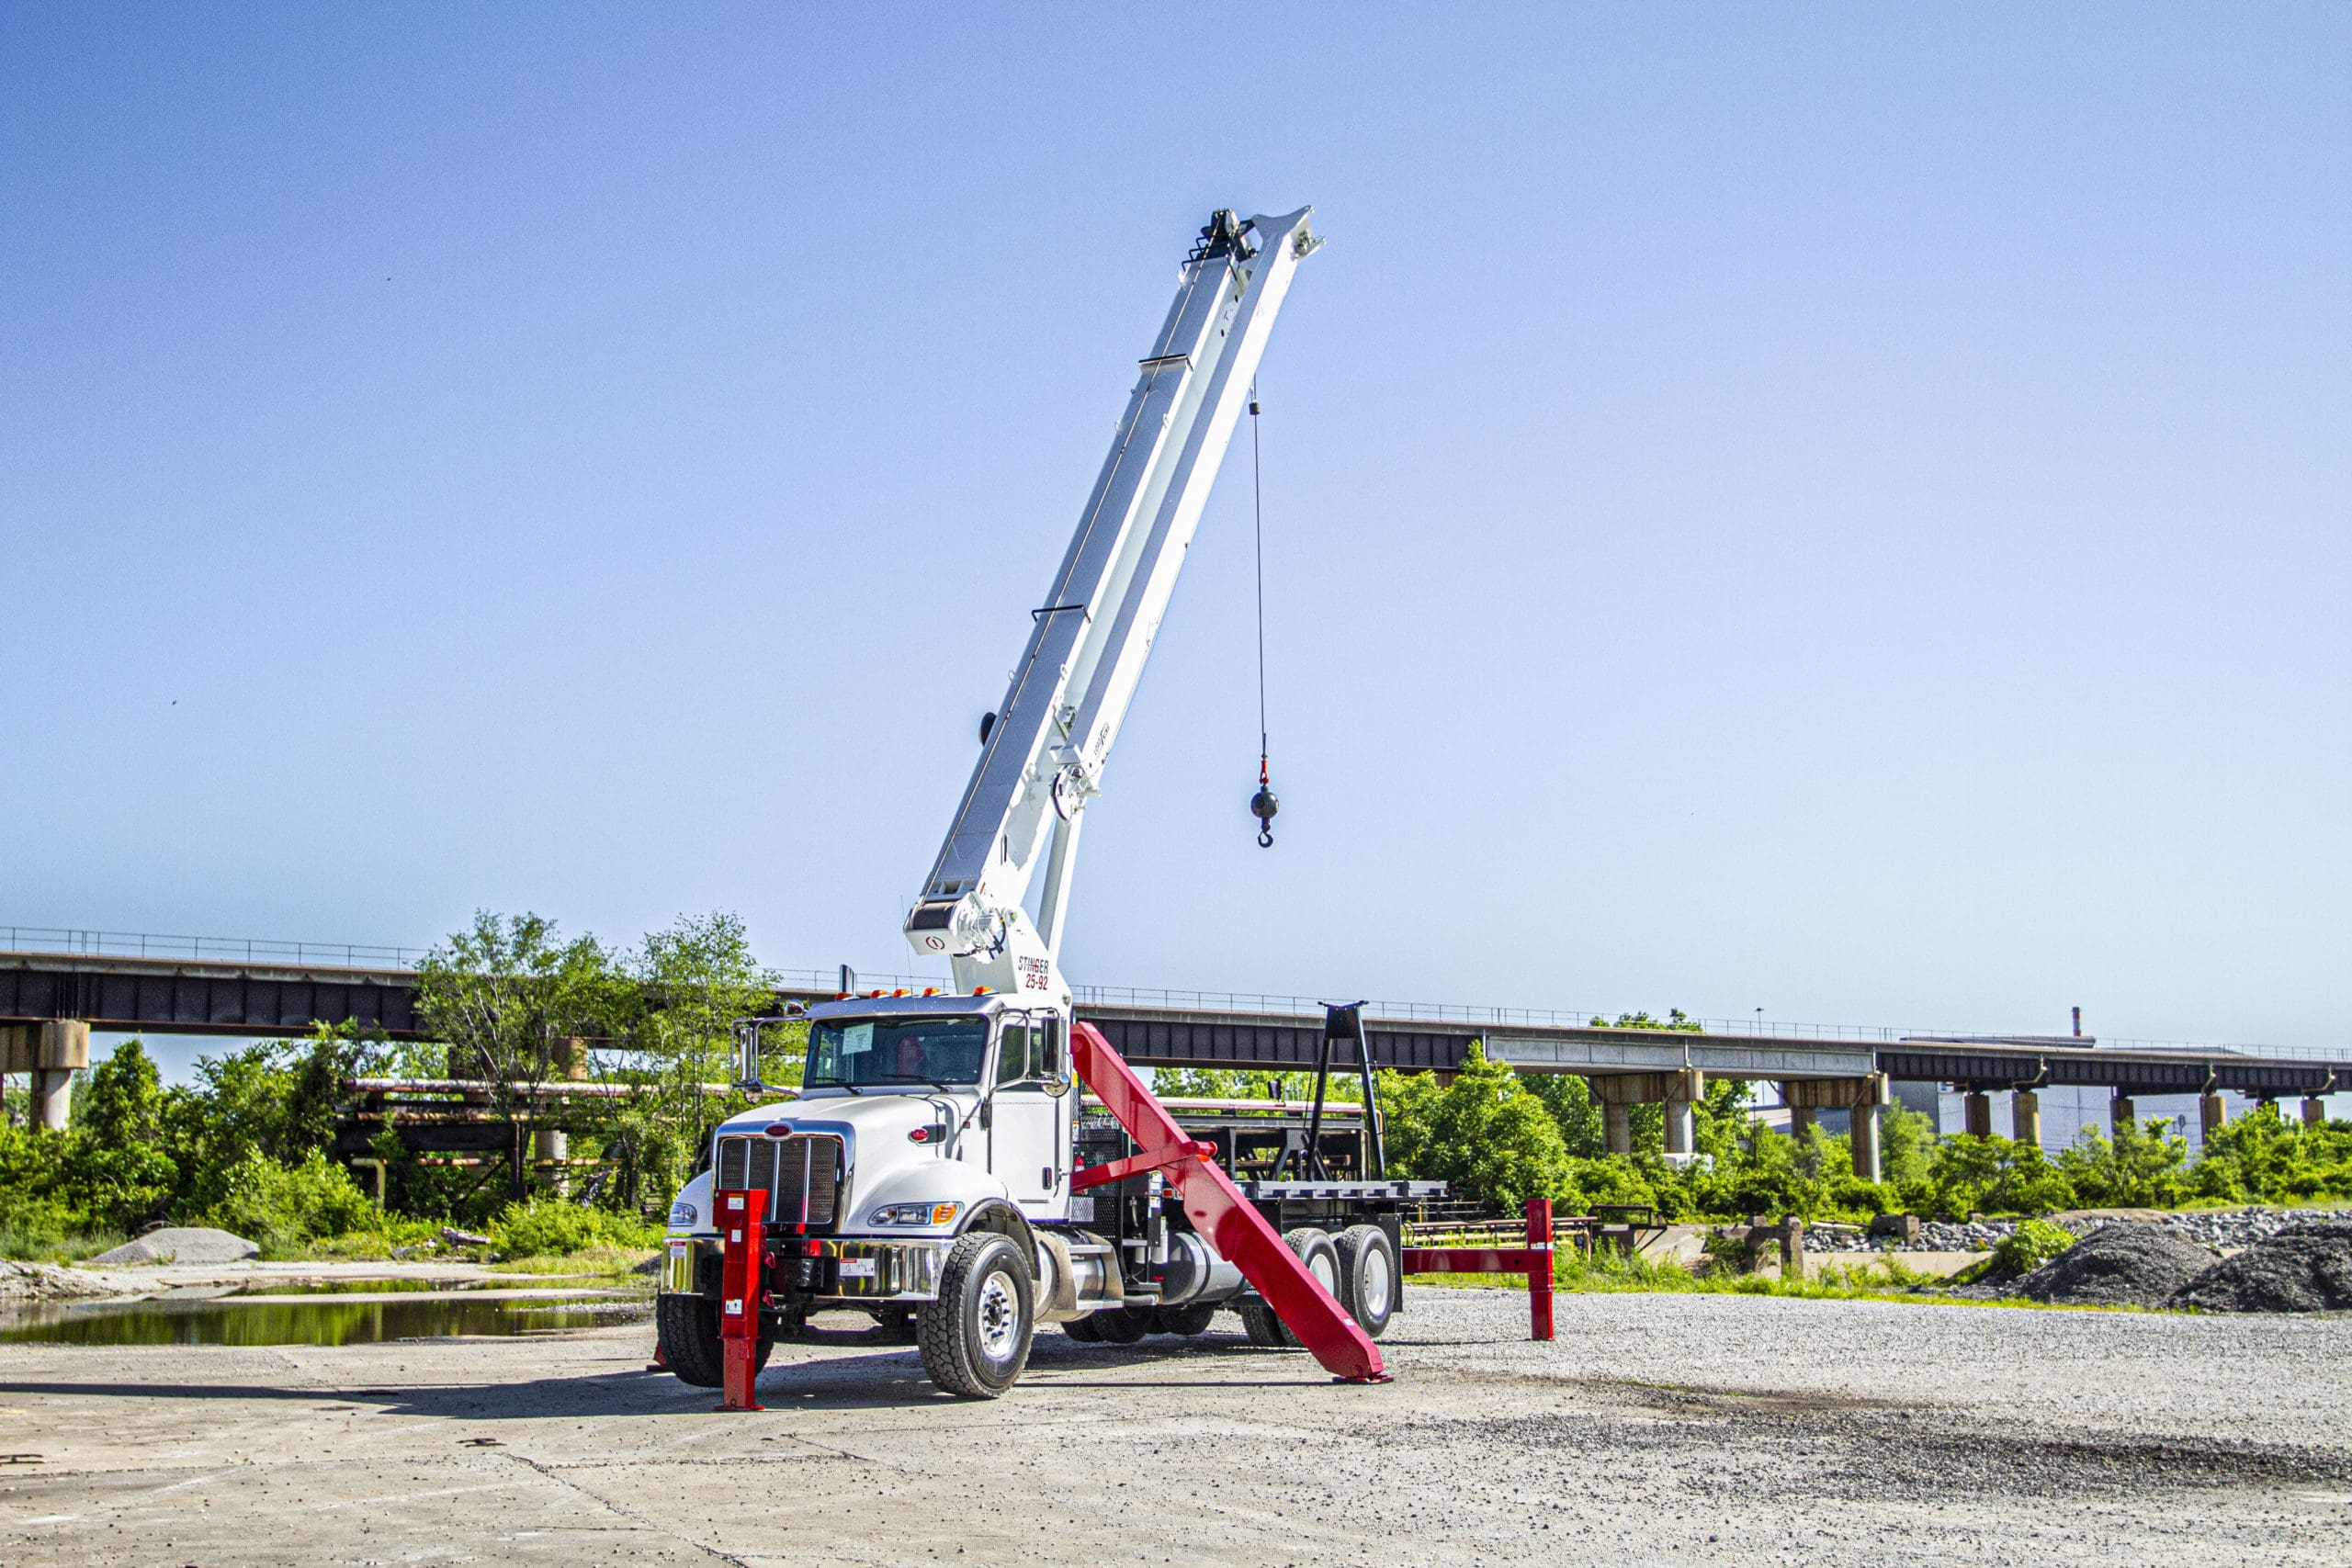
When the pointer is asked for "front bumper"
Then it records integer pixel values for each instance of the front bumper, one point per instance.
(816, 1269)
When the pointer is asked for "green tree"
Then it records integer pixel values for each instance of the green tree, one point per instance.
(515, 1006)
(697, 980)
(116, 1167)
(2142, 1167)
(1483, 1134)
(1578, 1115)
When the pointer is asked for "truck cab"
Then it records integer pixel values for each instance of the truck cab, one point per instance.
(920, 1119)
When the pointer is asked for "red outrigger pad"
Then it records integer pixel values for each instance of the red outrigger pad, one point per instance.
(1218, 1211)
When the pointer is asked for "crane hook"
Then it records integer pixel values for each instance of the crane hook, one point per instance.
(1263, 805)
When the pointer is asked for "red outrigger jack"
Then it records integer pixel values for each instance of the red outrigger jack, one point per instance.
(742, 1216)
(1216, 1207)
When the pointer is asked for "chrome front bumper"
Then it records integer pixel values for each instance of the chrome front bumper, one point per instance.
(843, 1270)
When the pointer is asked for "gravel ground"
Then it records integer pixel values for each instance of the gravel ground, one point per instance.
(1728, 1429)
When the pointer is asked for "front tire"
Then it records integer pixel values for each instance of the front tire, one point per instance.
(687, 1328)
(974, 1338)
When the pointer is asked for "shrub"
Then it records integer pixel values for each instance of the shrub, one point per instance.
(281, 1207)
(2142, 1167)
(551, 1226)
(2031, 1245)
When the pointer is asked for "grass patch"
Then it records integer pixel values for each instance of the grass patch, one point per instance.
(613, 1265)
(38, 1243)
(1882, 1277)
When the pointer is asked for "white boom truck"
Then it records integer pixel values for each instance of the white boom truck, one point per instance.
(925, 1173)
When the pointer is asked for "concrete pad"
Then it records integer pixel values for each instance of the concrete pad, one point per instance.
(1655, 1428)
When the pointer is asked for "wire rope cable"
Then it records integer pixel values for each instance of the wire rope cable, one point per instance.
(1263, 805)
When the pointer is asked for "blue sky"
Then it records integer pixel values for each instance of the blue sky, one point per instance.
(1838, 509)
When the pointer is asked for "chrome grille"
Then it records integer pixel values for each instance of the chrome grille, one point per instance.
(807, 1171)
(801, 1174)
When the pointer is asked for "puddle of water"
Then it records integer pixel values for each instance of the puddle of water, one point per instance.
(354, 1285)
(349, 1287)
(226, 1321)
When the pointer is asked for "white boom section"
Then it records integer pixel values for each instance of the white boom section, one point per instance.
(1043, 758)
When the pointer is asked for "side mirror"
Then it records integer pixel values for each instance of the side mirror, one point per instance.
(1054, 1067)
(747, 1055)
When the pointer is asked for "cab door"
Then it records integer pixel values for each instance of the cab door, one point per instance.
(1027, 1140)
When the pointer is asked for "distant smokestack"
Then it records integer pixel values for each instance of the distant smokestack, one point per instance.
(2079, 1024)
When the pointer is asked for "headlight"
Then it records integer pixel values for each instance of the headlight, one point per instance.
(683, 1215)
(916, 1214)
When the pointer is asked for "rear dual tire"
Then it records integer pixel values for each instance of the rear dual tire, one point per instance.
(1127, 1326)
(1358, 1267)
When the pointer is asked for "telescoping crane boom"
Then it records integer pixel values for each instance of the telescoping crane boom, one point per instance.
(1044, 753)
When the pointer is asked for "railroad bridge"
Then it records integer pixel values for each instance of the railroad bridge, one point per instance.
(50, 1001)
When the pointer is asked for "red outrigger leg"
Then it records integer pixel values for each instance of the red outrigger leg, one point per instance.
(1534, 1260)
(1218, 1211)
(742, 1215)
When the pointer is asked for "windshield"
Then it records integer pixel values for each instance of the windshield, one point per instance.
(896, 1050)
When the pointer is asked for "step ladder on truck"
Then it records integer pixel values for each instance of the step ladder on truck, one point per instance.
(929, 1171)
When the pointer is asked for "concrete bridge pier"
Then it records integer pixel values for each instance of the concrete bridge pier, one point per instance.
(2213, 1113)
(2314, 1111)
(1807, 1098)
(2119, 1113)
(1976, 1115)
(1676, 1091)
(2025, 1117)
(1864, 1139)
(1681, 1129)
(1803, 1119)
(48, 1054)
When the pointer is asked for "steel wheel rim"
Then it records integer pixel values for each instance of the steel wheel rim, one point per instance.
(1376, 1281)
(1000, 1317)
(1325, 1266)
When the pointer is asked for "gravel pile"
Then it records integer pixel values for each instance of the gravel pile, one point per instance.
(181, 1244)
(2118, 1264)
(2303, 1267)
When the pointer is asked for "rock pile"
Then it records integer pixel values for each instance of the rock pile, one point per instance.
(181, 1244)
(46, 1283)
(2301, 1268)
(2234, 1227)
(1935, 1236)
(2220, 1227)
(2118, 1265)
